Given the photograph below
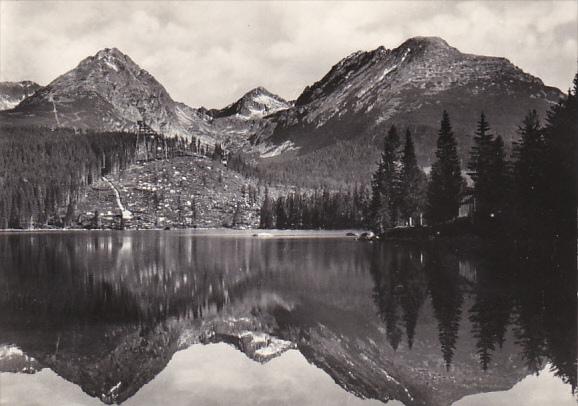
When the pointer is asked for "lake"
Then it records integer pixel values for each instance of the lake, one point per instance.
(293, 318)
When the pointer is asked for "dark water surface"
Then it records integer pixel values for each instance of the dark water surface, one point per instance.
(214, 318)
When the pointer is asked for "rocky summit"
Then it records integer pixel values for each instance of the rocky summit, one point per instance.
(410, 86)
(233, 125)
(107, 91)
(256, 103)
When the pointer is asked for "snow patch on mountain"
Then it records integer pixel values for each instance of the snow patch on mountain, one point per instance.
(111, 65)
(7, 104)
(270, 104)
(254, 104)
(278, 150)
(386, 72)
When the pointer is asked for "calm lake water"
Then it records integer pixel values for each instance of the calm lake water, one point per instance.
(221, 318)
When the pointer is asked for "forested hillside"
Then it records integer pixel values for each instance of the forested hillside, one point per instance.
(69, 179)
(43, 171)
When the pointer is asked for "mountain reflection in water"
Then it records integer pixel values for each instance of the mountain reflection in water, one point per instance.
(108, 310)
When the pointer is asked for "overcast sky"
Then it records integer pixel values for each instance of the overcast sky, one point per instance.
(210, 53)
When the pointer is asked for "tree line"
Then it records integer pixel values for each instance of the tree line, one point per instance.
(533, 192)
(44, 172)
(317, 210)
(336, 166)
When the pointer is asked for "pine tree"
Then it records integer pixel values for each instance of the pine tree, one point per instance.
(480, 167)
(480, 150)
(281, 214)
(393, 172)
(379, 207)
(530, 176)
(560, 135)
(385, 185)
(499, 195)
(266, 212)
(236, 220)
(446, 184)
(412, 184)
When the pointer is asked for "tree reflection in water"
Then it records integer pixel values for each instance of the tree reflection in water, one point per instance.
(530, 289)
(100, 308)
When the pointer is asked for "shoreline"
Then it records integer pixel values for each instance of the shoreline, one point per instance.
(209, 232)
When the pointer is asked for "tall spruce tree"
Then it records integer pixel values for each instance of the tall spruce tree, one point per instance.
(499, 195)
(384, 185)
(446, 183)
(378, 207)
(560, 135)
(479, 154)
(282, 220)
(412, 184)
(266, 213)
(488, 169)
(393, 172)
(480, 166)
(531, 176)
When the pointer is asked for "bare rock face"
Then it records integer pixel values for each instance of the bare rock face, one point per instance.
(109, 91)
(12, 93)
(410, 85)
(233, 125)
(256, 103)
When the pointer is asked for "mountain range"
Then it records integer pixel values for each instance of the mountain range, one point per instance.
(409, 86)
(353, 104)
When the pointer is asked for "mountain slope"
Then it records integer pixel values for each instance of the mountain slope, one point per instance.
(108, 91)
(12, 93)
(365, 93)
(256, 103)
(232, 126)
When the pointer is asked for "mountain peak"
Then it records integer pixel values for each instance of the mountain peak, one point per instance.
(429, 47)
(429, 42)
(109, 59)
(260, 90)
(258, 102)
(108, 90)
(409, 85)
(110, 52)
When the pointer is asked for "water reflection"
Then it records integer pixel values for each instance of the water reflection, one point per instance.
(530, 292)
(107, 311)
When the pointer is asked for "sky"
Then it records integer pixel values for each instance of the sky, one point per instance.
(211, 53)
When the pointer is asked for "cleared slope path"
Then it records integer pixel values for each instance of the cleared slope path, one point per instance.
(125, 214)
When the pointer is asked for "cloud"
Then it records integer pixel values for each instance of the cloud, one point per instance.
(209, 53)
